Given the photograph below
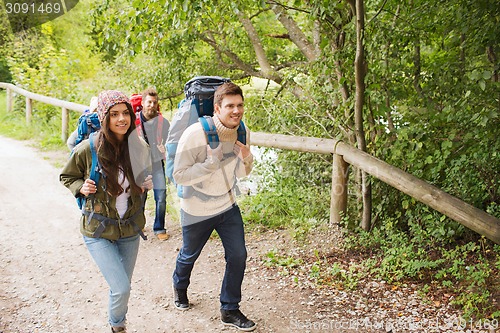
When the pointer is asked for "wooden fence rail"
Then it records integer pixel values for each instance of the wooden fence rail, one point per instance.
(64, 105)
(342, 155)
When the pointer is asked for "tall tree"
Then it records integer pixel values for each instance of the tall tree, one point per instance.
(360, 70)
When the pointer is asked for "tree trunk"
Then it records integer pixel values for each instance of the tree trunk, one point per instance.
(492, 57)
(297, 36)
(360, 73)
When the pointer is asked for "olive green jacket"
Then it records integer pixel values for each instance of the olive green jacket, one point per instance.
(77, 169)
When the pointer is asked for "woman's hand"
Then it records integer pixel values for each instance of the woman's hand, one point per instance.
(89, 187)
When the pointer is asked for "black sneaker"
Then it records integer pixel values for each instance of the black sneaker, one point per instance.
(181, 301)
(237, 319)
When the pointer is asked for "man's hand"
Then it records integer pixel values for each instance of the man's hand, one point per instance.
(161, 147)
(241, 150)
(147, 184)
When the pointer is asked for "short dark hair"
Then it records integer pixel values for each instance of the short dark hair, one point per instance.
(149, 92)
(227, 88)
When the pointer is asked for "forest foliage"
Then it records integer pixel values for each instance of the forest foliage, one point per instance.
(431, 105)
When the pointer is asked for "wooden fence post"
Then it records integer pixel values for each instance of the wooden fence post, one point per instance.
(64, 124)
(29, 109)
(338, 202)
(9, 100)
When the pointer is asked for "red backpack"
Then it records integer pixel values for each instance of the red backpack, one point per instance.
(136, 101)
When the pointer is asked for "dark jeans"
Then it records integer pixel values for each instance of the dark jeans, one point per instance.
(229, 226)
(160, 195)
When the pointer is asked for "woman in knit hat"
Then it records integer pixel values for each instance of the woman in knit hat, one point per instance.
(113, 212)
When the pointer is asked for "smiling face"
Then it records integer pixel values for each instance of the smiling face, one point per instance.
(119, 120)
(230, 110)
(150, 107)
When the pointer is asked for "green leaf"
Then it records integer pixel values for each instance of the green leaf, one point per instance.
(446, 145)
(405, 204)
(487, 74)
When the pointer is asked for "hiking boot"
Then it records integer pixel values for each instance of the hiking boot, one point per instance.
(120, 329)
(237, 319)
(163, 236)
(181, 301)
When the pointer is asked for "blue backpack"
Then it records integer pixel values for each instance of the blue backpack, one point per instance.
(95, 168)
(197, 106)
(88, 123)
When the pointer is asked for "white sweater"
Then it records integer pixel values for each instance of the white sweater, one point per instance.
(210, 177)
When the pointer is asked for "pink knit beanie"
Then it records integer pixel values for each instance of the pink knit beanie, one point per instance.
(109, 98)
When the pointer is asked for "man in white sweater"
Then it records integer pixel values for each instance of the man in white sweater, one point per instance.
(209, 177)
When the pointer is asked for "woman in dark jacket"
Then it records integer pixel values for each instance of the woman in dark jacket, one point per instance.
(113, 209)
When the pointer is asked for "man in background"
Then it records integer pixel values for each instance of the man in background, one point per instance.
(153, 127)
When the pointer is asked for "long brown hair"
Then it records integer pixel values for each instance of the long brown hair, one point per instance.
(114, 155)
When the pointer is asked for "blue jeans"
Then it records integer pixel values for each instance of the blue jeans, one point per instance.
(116, 261)
(160, 195)
(229, 226)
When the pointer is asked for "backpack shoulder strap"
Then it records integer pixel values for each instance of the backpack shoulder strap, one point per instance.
(159, 129)
(242, 133)
(210, 130)
(138, 124)
(95, 168)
